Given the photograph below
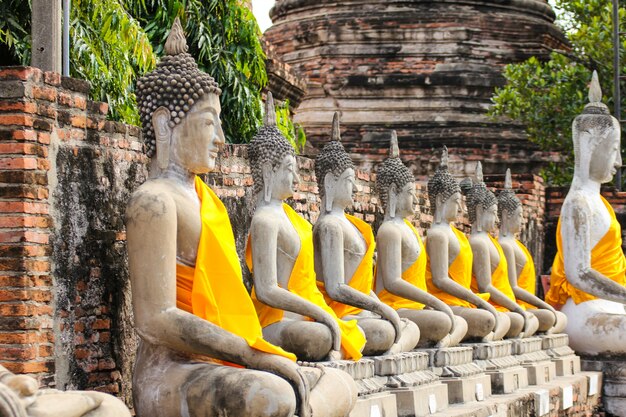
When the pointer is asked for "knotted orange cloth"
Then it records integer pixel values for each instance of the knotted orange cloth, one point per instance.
(414, 275)
(499, 278)
(214, 289)
(607, 258)
(526, 279)
(302, 283)
(460, 271)
(363, 278)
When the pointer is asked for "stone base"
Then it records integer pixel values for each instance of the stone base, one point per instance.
(363, 372)
(614, 380)
(421, 401)
(382, 404)
(508, 380)
(540, 373)
(567, 365)
(564, 358)
(452, 361)
(467, 389)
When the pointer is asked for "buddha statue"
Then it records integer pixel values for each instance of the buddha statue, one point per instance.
(344, 249)
(449, 261)
(588, 274)
(489, 266)
(401, 261)
(520, 263)
(20, 396)
(201, 350)
(291, 309)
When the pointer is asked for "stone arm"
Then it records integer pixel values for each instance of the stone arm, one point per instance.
(266, 286)
(576, 237)
(514, 270)
(329, 239)
(389, 266)
(151, 217)
(439, 261)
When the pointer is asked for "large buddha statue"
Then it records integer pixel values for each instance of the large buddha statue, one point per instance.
(291, 309)
(588, 275)
(344, 249)
(201, 350)
(20, 396)
(489, 267)
(520, 263)
(401, 260)
(449, 262)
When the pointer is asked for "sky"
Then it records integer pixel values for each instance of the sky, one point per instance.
(261, 9)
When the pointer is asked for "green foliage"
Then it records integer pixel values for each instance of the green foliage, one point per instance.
(115, 41)
(292, 131)
(546, 96)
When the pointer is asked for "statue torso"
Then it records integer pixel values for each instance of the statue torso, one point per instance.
(599, 217)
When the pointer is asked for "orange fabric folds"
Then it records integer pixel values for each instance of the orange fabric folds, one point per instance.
(363, 278)
(302, 282)
(214, 289)
(414, 275)
(527, 280)
(499, 278)
(460, 271)
(607, 258)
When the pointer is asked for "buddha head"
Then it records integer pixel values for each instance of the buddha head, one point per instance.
(444, 193)
(335, 172)
(596, 139)
(180, 109)
(272, 159)
(482, 205)
(395, 184)
(510, 209)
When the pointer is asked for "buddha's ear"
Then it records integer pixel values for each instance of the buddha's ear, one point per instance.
(329, 190)
(163, 135)
(438, 209)
(268, 181)
(479, 217)
(392, 200)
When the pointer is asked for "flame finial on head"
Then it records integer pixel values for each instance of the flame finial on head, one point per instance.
(176, 42)
(269, 119)
(394, 150)
(508, 181)
(336, 132)
(479, 172)
(595, 91)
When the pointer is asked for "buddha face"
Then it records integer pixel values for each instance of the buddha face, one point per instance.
(487, 218)
(344, 188)
(285, 178)
(407, 200)
(513, 220)
(451, 207)
(197, 139)
(606, 158)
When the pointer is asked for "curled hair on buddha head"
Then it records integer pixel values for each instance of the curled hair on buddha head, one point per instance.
(176, 84)
(268, 145)
(333, 157)
(442, 182)
(507, 200)
(392, 172)
(476, 193)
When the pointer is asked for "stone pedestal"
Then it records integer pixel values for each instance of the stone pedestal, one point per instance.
(496, 360)
(614, 380)
(363, 372)
(564, 358)
(381, 404)
(465, 380)
(537, 362)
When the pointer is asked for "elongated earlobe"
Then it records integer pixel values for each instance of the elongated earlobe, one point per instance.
(392, 200)
(329, 191)
(268, 180)
(439, 209)
(163, 135)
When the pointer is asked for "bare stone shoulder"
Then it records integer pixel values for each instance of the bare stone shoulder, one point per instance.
(150, 202)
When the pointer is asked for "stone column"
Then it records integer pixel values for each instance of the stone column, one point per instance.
(46, 33)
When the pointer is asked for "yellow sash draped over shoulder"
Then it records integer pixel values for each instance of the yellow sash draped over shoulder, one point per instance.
(214, 289)
(527, 280)
(607, 258)
(499, 277)
(460, 271)
(363, 278)
(414, 275)
(302, 282)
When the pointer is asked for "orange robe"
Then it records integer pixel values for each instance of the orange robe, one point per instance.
(214, 289)
(302, 282)
(414, 275)
(460, 271)
(607, 258)
(363, 278)
(499, 278)
(527, 279)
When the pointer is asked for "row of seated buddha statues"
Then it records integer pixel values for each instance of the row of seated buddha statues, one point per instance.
(208, 347)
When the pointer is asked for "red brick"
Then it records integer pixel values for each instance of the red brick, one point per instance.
(21, 148)
(24, 135)
(101, 324)
(43, 137)
(52, 78)
(18, 163)
(23, 207)
(18, 106)
(16, 119)
(18, 352)
(79, 121)
(21, 73)
(30, 367)
(44, 93)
